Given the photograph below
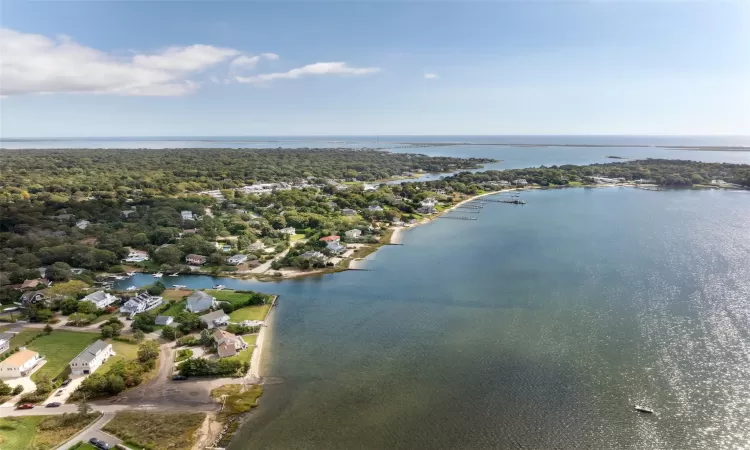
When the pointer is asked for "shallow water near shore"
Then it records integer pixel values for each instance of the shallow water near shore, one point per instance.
(536, 326)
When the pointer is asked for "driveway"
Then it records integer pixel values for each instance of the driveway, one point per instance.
(28, 386)
(67, 391)
(93, 431)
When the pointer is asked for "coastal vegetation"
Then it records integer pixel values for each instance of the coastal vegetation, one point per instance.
(41, 432)
(154, 431)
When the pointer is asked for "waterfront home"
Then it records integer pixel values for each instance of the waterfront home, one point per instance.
(374, 208)
(255, 246)
(228, 344)
(187, 215)
(100, 298)
(34, 297)
(141, 303)
(164, 320)
(520, 182)
(196, 260)
(428, 202)
(136, 256)
(313, 255)
(348, 212)
(236, 260)
(397, 223)
(83, 224)
(214, 319)
(288, 230)
(91, 358)
(427, 210)
(4, 344)
(336, 247)
(199, 301)
(353, 234)
(19, 364)
(332, 238)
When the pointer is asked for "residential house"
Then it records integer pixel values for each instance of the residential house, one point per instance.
(141, 303)
(429, 202)
(187, 215)
(503, 183)
(255, 246)
(91, 358)
(199, 301)
(288, 230)
(164, 320)
(313, 255)
(397, 223)
(236, 260)
(330, 239)
(215, 319)
(353, 234)
(190, 231)
(427, 210)
(374, 208)
(127, 212)
(19, 364)
(336, 247)
(83, 224)
(228, 344)
(136, 256)
(34, 297)
(520, 182)
(348, 212)
(100, 298)
(34, 284)
(196, 260)
(369, 187)
(4, 344)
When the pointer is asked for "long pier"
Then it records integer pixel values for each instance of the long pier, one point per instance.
(457, 217)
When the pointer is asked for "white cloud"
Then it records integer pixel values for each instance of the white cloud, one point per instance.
(431, 76)
(321, 68)
(250, 62)
(33, 64)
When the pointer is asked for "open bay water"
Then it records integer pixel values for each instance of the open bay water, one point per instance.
(536, 326)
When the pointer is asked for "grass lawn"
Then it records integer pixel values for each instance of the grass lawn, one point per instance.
(250, 313)
(229, 296)
(59, 347)
(175, 308)
(247, 354)
(40, 432)
(104, 317)
(297, 237)
(156, 430)
(84, 446)
(20, 339)
(123, 351)
(175, 294)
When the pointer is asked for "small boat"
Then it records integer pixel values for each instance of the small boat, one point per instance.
(130, 274)
(178, 286)
(131, 288)
(218, 286)
(118, 277)
(158, 275)
(173, 274)
(643, 409)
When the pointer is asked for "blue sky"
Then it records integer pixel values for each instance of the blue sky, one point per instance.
(282, 68)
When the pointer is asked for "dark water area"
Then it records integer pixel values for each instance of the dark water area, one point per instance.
(536, 326)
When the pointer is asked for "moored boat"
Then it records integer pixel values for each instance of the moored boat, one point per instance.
(131, 288)
(643, 409)
(219, 286)
(158, 275)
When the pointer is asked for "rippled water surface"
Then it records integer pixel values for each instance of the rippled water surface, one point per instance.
(536, 326)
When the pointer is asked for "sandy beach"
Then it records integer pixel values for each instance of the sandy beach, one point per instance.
(258, 352)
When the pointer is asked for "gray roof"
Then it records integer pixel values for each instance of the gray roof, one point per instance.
(199, 301)
(96, 296)
(92, 350)
(6, 336)
(210, 317)
(162, 320)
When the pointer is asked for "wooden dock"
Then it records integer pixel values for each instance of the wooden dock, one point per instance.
(457, 217)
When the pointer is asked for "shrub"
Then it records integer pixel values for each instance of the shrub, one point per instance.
(17, 390)
(188, 341)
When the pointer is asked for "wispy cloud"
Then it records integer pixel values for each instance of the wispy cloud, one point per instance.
(33, 64)
(321, 68)
(431, 76)
(250, 62)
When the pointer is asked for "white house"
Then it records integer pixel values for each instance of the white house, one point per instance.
(100, 298)
(369, 187)
(236, 260)
(164, 320)
(375, 208)
(136, 256)
(19, 364)
(255, 246)
(427, 210)
(288, 230)
(215, 319)
(187, 215)
(83, 224)
(200, 301)
(353, 234)
(91, 358)
(196, 260)
(143, 302)
(228, 344)
(428, 202)
(336, 247)
(520, 182)
(313, 255)
(4, 344)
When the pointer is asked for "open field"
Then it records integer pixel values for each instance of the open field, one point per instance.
(250, 313)
(20, 339)
(59, 347)
(174, 431)
(175, 308)
(233, 297)
(123, 351)
(297, 237)
(41, 432)
(175, 294)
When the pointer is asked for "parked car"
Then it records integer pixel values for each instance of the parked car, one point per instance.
(53, 405)
(179, 377)
(60, 392)
(66, 382)
(99, 444)
(26, 406)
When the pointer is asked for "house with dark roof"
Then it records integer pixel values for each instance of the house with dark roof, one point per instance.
(199, 301)
(215, 319)
(164, 320)
(228, 344)
(196, 260)
(91, 358)
(33, 297)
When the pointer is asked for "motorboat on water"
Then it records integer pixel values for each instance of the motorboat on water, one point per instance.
(173, 274)
(131, 288)
(158, 275)
(178, 286)
(219, 286)
(643, 409)
(118, 277)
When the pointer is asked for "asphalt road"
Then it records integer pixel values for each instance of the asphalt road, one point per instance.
(93, 431)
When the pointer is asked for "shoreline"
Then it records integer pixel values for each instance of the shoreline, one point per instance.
(258, 352)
